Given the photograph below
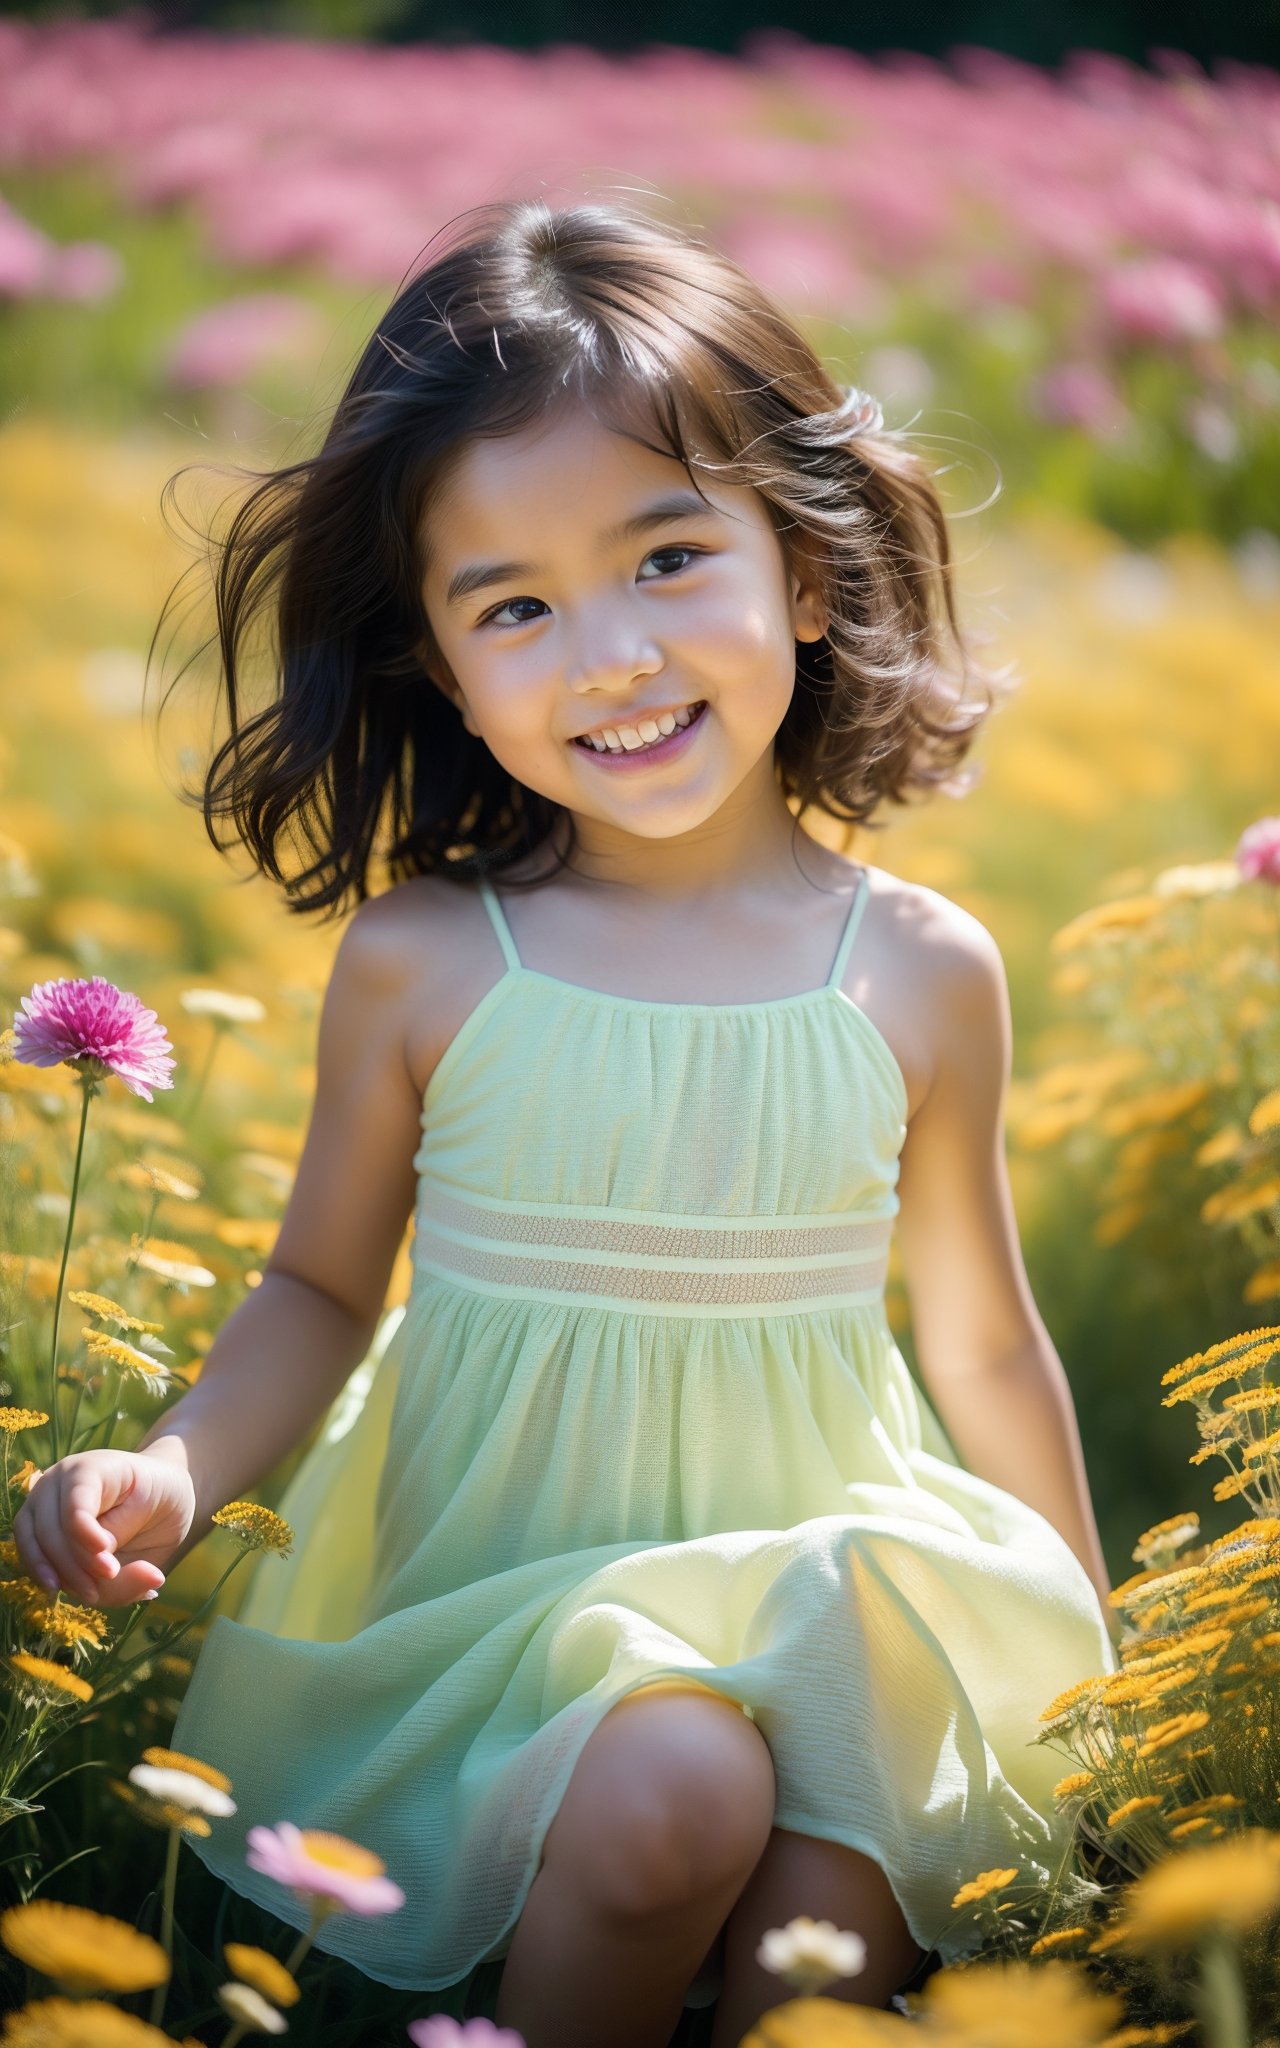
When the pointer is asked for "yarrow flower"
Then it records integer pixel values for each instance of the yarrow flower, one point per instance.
(811, 1954)
(97, 1028)
(1258, 851)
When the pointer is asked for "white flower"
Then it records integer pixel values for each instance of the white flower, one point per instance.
(1202, 878)
(182, 1788)
(251, 2009)
(811, 1953)
(221, 1002)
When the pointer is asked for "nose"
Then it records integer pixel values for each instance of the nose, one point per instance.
(609, 651)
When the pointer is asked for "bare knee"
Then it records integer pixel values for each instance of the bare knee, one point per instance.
(671, 1801)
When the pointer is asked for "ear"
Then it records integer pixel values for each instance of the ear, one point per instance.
(809, 612)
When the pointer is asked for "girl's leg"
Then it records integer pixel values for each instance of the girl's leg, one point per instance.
(827, 1881)
(666, 1813)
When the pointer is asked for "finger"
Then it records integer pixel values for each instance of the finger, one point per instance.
(87, 1533)
(33, 1560)
(60, 1553)
(136, 1582)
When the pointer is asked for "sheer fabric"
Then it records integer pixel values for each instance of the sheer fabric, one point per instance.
(642, 1418)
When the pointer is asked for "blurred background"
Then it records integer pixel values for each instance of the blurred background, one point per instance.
(1050, 243)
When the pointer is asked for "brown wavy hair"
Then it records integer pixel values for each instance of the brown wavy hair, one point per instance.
(356, 756)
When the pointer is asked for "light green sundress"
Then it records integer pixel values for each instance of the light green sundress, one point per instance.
(642, 1417)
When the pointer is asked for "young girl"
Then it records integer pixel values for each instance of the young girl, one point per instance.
(639, 1601)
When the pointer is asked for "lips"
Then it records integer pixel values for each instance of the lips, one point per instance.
(681, 716)
(653, 752)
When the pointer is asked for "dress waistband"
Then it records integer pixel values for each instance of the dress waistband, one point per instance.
(672, 1265)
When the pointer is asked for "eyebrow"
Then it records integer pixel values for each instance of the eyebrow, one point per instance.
(663, 512)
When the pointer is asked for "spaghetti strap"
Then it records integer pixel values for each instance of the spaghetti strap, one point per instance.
(500, 925)
(850, 928)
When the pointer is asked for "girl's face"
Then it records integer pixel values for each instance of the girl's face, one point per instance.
(577, 585)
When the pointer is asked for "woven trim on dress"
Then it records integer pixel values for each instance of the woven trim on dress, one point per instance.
(711, 1267)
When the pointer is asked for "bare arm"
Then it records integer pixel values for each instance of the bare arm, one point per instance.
(287, 1350)
(986, 1359)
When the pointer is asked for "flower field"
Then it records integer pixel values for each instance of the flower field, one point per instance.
(1069, 287)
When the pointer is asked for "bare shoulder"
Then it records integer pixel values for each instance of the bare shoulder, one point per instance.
(920, 965)
(430, 946)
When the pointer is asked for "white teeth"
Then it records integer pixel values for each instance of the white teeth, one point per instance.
(628, 738)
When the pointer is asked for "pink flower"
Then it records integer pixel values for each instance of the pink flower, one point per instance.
(1079, 395)
(1163, 299)
(96, 1027)
(230, 342)
(1258, 854)
(439, 2031)
(320, 1865)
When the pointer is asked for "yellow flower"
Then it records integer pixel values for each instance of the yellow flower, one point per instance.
(1163, 1734)
(1166, 1537)
(1007, 2005)
(47, 1682)
(139, 1173)
(14, 1419)
(1158, 2036)
(259, 1969)
(824, 2023)
(1238, 1199)
(1234, 1483)
(1233, 1883)
(1223, 1145)
(83, 1951)
(1263, 1284)
(108, 1311)
(1081, 1694)
(255, 1526)
(1106, 920)
(175, 1263)
(979, 1887)
(248, 1233)
(178, 1760)
(1266, 1396)
(1248, 1341)
(1142, 1804)
(80, 2023)
(1154, 1106)
(1062, 1937)
(1078, 1781)
(1265, 1115)
(153, 1372)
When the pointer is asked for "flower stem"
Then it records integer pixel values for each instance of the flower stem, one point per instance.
(86, 1090)
(166, 1643)
(1220, 1995)
(320, 1911)
(166, 1922)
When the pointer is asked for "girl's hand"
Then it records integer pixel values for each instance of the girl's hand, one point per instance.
(96, 1524)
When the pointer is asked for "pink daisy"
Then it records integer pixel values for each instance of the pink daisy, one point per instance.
(318, 1864)
(439, 2031)
(97, 1028)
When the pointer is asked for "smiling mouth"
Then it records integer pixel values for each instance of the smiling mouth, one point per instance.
(658, 749)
